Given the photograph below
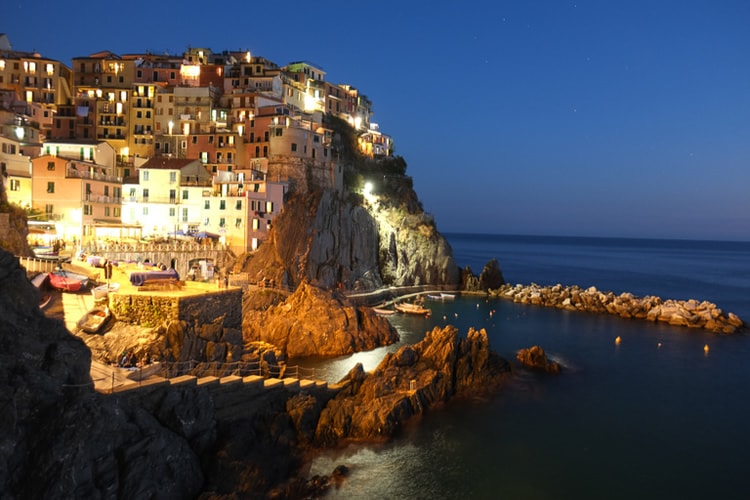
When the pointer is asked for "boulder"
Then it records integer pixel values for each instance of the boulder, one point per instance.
(535, 358)
(316, 322)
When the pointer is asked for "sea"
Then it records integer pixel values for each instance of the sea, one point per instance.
(664, 413)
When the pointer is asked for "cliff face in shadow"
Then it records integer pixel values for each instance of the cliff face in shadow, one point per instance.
(60, 439)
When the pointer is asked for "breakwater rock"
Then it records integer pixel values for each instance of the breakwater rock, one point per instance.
(406, 383)
(689, 313)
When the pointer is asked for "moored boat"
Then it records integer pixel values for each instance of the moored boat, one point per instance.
(383, 312)
(412, 309)
(39, 281)
(94, 319)
(68, 281)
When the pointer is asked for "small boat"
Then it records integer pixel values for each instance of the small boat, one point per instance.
(94, 320)
(67, 281)
(383, 312)
(102, 291)
(39, 281)
(442, 296)
(412, 309)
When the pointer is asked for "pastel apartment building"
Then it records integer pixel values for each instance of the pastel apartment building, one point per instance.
(165, 196)
(185, 134)
(78, 195)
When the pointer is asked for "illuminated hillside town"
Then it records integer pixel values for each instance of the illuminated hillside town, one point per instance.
(158, 145)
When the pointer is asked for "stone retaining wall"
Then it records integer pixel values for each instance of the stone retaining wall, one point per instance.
(690, 313)
(201, 327)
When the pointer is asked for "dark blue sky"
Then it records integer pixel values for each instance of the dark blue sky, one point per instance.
(590, 118)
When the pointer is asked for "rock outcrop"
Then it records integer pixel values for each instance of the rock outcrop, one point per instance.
(689, 313)
(535, 358)
(490, 278)
(314, 322)
(405, 384)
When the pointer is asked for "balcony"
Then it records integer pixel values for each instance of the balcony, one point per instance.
(77, 174)
(96, 198)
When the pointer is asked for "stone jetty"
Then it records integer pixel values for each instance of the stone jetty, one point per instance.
(690, 313)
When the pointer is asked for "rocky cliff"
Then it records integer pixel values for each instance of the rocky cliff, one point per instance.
(337, 240)
(61, 439)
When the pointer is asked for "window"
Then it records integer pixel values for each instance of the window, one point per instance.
(106, 211)
(15, 185)
(50, 165)
(145, 195)
(132, 194)
(117, 211)
(145, 211)
(294, 146)
(222, 222)
(172, 211)
(87, 210)
(184, 215)
(237, 222)
(278, 132)
(49, 210)
(256, 224)
(145, 175)
(238, 205)
(207, 205)
(185, 194)
(172, 195)
(106, 190)
(172, 177)
(50, 187)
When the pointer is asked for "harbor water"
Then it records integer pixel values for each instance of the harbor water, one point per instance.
(657, 415)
